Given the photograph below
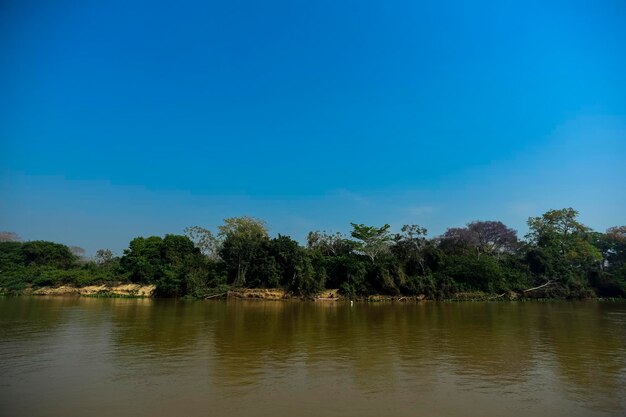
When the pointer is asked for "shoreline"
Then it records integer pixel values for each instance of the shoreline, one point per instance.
(264, 294)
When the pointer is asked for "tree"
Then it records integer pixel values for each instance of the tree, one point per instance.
(204, 239)
(142, 259)
(242, 239)
(306, 279)
(494, 237)
(9, 237)
(458, 240)
(372, 241)
(288, 256)
(560, 233)
(104, 257)
(409, 246)
(11, 255)
(77, 251)
(483, 237)
(482, 273)
(178, 257)
(562, 252)
(40, 252)
(329, 244)
(610, 280)
(166, 262)
(616, 247)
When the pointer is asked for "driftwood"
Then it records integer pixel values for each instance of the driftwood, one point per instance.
(539, 287)
(497, 296)
(215, 295)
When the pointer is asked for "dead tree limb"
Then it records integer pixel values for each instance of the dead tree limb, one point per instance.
(539, 287)
(497, 296)
(215, 295)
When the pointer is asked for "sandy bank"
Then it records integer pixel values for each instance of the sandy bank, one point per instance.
(278, 294)
(125, 290)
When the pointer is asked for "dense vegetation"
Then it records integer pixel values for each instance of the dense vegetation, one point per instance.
(559, 257)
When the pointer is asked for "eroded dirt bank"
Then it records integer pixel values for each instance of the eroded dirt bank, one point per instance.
(125, 290)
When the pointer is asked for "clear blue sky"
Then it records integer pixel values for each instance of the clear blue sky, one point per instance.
(127, 118)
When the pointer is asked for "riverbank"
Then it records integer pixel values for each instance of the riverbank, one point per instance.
(149, 291)
(123, 290)
(268, 294)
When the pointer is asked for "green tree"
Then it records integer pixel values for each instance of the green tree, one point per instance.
(564, 237)
(242, 237)
(610, 280)
(142, 260)
(371, 241)
(11, 255)
(409, 247)
(40, 252)
(166, 262)
(562, 251)
(295, 267)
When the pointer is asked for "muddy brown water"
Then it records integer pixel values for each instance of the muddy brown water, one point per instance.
(69, 356)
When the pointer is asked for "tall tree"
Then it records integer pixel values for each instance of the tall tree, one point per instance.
(409, 246)
(482, 237)
(104, 257)
(142, 259)
(204, 240)
(612, 245)
(494, 237)
(560, 233)
(563, 253)
(329, 244)
(372, 241)
(242, 238)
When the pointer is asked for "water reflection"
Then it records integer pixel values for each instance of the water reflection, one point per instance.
(266, 358)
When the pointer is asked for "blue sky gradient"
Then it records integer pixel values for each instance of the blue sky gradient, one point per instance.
(127, 118)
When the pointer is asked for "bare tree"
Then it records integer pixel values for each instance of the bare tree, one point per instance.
(204, 240)
(77, 251)
(331, 244)
(104, 256)
(9, 237)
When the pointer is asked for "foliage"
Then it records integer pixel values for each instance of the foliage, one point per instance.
(40, 252)
(481, 237)
(371, 241)
(329, 244)
(565, 240)
(166, 262)
(561, 257)
(243, 239)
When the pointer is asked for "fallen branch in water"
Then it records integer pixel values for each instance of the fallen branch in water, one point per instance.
(497, 296)
(215, 295)
(539, 287)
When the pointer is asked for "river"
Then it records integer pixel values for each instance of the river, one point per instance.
(68, 356)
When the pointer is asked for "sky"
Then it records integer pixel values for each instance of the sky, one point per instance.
(133, 118)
